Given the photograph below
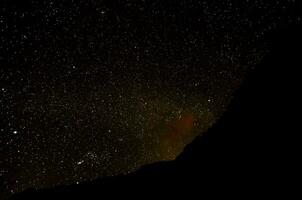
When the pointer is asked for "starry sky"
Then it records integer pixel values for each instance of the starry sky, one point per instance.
(97, 88)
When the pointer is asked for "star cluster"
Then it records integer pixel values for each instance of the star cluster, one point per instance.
(98, 88)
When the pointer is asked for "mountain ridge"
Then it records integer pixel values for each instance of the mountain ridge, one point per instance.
(253, 142)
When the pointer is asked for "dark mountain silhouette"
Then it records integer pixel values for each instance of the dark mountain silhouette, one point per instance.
(251, 150)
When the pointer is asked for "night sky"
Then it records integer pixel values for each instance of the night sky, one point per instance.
(97, 88)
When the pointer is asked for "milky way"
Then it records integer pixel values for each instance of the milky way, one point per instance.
(99, 88)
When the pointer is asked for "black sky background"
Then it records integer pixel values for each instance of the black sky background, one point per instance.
(98, 88)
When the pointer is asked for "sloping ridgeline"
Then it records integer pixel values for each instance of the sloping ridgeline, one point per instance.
(253, 148)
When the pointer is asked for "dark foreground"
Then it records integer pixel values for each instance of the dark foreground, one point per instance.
(253, 150)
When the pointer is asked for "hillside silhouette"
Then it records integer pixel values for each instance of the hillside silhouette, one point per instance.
(251, 149)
